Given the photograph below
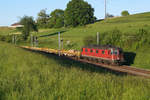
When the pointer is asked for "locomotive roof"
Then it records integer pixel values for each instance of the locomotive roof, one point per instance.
(102, 47)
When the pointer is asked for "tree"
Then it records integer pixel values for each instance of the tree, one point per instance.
(28, 26)
(79, 12)
(42, 20)
(125, 13)
(56, 18)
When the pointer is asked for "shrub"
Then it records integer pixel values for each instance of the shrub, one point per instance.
(2, 38)
(125, 13)
(9, 38)
(6, 38)
(112, 38)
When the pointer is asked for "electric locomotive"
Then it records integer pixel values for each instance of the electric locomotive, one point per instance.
(106, 54)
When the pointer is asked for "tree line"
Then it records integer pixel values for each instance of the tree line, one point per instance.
(77, 13)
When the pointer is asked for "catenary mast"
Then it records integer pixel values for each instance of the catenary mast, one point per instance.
(105, 9)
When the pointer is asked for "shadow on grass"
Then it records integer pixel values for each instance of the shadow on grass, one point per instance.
(2, 95)
(69, 63)
(129, 57)
(99, 20)
(52, 34)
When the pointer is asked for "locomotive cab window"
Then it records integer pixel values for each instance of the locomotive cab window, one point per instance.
(116, 52)
(86, 50)
(96, 51)
(91, 50)
(103, 52)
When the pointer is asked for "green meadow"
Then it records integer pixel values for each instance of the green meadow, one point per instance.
(26, 75)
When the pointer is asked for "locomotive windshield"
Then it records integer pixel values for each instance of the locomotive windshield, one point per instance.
(115, 52)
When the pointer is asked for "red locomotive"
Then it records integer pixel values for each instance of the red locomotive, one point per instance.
(103, 54)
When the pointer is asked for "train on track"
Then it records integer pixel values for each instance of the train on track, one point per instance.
(103, 56)
(107, 54)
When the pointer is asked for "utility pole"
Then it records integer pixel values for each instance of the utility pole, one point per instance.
(59, 42)
(97, 38)
(105, 9)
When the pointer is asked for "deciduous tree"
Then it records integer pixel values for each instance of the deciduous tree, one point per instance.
(42, 20)
(56, 18)
(28, 26)
(79, 12)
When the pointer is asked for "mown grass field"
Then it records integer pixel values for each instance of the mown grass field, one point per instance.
(26, 75)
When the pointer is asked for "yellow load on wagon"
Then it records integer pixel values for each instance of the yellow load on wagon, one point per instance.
(69, 53)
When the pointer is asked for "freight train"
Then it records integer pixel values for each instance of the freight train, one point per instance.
(100, 54)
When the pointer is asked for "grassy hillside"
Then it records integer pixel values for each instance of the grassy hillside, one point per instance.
(7, 30)
(128, 26)
(135, 44)
(28, 75)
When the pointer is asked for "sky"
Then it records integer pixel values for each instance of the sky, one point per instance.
(12, 10)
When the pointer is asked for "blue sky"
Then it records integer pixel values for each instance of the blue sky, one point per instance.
(12, 10)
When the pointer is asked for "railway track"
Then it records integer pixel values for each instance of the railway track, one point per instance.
(124, 69)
